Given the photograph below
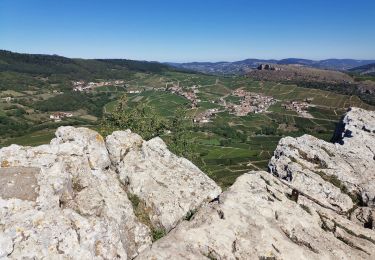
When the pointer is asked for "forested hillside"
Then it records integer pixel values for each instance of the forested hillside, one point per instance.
(23, 71)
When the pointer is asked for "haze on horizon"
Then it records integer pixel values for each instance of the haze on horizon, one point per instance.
(182, 31)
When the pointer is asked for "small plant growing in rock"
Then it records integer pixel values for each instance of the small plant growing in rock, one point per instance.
(134, 199)
(157, 233)
(190, 214)
(141, 212)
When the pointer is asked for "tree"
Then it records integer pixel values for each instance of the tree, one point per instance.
(122, 103)
(180, 141)
(142, 120)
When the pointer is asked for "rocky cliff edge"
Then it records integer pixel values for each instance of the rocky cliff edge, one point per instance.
(83, 197)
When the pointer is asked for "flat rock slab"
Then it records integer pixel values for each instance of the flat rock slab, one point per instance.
(19, 183)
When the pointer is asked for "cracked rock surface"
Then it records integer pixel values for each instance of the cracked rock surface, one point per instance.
(170, 186)
(66, 200)
(340, 175)
(257, 218)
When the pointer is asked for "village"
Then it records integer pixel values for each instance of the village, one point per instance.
(300, 107)
(81, 85)
(58, 116)
(190, 94)
(205, 117)
(250, 103)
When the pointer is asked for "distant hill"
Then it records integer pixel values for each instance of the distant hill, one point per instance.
(244, 66)
(23, 71)
(368, 69)
(309, 77)
(45, 65)
(331, 64)
(299, 73)
(237, 67)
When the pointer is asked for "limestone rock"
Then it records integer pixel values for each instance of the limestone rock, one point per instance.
(69, 198)
(63, 200)
(257, 218)
(170, 186)
(339, 175)
(364, 216)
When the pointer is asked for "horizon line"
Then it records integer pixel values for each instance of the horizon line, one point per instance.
(190, 61)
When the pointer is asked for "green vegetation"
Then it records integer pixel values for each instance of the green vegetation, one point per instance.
(190, 214)
(157, 233)
(142, 213)
(71, 101)
(34, 138)
(340, 88)
(23, 69)
(141, 119)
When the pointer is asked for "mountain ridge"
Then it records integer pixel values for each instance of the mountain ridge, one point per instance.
(44, 64)
(368, 69)
(242, 66)
(229, 66)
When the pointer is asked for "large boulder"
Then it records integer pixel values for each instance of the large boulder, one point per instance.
(64, 200)
(82, 197)
(171, 187)
(261, 217)
(340, 175)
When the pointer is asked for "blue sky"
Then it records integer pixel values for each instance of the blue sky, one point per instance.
(176, 30)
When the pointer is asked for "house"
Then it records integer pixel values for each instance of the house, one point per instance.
(8, 99)
(134, 91)
(58, 116)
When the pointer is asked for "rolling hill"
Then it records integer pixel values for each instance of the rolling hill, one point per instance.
(25, 71)
(244, 66)
(88, 69)
(368, 69)
(300, 73)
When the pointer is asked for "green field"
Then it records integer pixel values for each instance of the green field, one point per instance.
(33, 139)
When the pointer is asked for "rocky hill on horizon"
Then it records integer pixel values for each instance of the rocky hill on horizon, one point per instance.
(298, 73)
(86, 197)
(244, 66)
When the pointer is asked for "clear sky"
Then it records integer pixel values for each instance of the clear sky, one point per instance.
(190, 30)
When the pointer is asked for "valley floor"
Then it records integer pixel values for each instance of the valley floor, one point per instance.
(229, 145)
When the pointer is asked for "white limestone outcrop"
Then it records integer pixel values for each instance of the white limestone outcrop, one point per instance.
(65, 199)
(170, 186)
(257, 218)
(340, 175)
